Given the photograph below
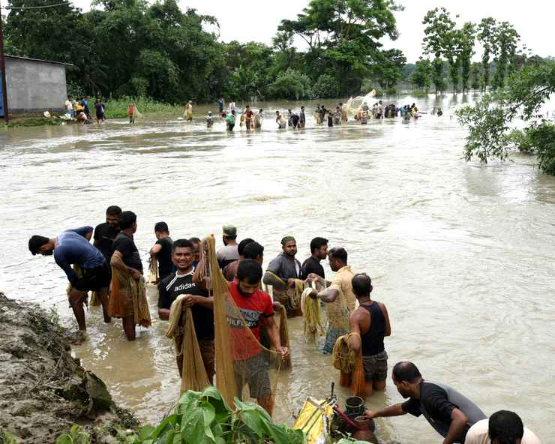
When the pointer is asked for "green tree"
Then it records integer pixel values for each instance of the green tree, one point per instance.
(326, 87)
(475, 76)
(291, 85)
(466, 37)
(422, 74)
(506, 40)
(489, 121)
(487, 31)
(388, 68)
(344, 37)
(439, 41)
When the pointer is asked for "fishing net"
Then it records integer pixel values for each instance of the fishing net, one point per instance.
(350, 365)
(289, 297)
(128, 298)
(153, 270)
(181, 329)
(312, 316)
(241, 359)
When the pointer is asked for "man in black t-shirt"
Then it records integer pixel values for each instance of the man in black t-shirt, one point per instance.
(127, 261)
(162, 250)
(104, 235)
(446, 410)
(319, 251)
(181, 283)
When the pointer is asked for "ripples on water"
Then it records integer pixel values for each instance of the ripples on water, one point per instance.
(462, 254)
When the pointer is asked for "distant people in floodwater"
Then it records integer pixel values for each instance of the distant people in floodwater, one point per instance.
(258, 119)
(99, 109)
(248, 117)
(439, 112)
(189, 111)
(131, 112)
(229, 120)
(302, 118)
(280, 120)
(209, 120)
(221, 105)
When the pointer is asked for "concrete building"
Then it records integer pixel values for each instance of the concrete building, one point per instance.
(34, 85)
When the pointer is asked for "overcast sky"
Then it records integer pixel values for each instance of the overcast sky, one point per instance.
(533, 19)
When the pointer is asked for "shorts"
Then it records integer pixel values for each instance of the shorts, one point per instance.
(331, 338)
(100, 116)
(254, 372)
(375, 367)
(94, 279)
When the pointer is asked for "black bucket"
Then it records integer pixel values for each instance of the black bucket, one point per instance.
(354, 405)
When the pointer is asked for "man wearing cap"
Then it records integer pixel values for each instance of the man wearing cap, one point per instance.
(230, 251)
(282, 274)
(72, 247)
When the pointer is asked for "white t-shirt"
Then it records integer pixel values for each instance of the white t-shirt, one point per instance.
(478, 434)
(69, 105)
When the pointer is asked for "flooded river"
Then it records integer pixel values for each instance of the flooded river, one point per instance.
(462, 254)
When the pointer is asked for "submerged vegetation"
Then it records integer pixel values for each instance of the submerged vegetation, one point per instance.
(492, 133)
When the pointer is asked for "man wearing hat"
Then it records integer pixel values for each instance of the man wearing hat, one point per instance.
(283, 273)
(230, 251)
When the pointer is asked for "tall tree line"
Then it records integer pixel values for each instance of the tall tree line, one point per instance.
(136, 48)
(448, 50)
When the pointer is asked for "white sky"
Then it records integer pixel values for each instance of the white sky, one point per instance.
(533, 19)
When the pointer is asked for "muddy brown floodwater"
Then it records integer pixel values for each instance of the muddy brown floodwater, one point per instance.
(462, 254)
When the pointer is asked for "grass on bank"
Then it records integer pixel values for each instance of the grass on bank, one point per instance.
(117, 108)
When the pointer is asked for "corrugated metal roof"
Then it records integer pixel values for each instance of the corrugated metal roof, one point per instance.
(37, 60)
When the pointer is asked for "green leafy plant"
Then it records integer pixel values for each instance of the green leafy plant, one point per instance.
(76, 436)
(205, 418)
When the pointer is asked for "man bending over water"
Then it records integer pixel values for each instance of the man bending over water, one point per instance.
(448, 412)
(72, 247)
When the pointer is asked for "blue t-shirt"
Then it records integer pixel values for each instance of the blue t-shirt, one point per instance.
(73, 248)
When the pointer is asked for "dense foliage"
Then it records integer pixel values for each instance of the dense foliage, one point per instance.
(453, 47)
(489, 121)
(137, 48)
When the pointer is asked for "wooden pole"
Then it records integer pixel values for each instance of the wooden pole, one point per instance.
(3, 68)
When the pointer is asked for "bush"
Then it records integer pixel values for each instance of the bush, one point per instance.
(205, 417)
(326, 87)
(291, 85)
(542, 138)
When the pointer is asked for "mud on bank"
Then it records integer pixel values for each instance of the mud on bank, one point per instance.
(43, 389)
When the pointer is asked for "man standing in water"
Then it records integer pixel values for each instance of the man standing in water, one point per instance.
(339, 296)
(189, 111)
(319, 251)
(104, 235)
(448, 412)
(302, 118)
(282, 272)
(257, 310)
(230, 251)
(230, 270)
(126, 261)
(221, 105)
(201, 304)
(369, 324)
(248, 118)
(162, 249)
(72, 247)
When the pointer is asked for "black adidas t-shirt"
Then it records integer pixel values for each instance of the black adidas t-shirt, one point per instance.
(165, 264)
(173, 286)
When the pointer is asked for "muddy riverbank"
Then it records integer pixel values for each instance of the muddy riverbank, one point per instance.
(43, 389)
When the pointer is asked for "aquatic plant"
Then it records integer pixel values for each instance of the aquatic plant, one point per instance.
(117, 108)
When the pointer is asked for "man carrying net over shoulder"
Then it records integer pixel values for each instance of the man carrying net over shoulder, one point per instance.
(254, 309)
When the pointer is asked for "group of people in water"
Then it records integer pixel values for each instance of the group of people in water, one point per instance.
(112, 268)
(78, 109)
(331, 116)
